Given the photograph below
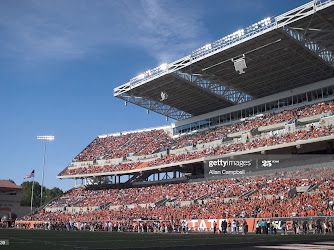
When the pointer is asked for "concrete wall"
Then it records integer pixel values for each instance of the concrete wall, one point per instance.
(328, 120)
(309, 119)
(12, 202)
(302, 189)
(272, 127)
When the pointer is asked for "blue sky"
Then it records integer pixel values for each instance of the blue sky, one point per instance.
(61, 60)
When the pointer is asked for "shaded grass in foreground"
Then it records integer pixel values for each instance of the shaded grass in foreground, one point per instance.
(38, 239)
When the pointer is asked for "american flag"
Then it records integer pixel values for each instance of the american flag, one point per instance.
(32, 174)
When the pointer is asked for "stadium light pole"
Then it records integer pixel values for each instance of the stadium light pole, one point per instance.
(45, 138)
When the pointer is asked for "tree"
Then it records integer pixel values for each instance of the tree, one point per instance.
(48, 194)
(12, 181)
(26, 194)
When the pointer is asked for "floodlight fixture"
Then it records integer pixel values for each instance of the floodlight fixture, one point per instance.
(45, 137)
(240, 64)
(163, 95)
(208, 46)
(240, 32)
(163, 66)
(141, 76)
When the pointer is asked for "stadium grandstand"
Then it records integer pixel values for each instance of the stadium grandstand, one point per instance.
(263, 94)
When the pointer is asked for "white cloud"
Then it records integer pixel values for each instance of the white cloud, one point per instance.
(168, 30)
(61, 30)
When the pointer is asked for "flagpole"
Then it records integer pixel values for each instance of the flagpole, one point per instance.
(32, 192)
(43, 173)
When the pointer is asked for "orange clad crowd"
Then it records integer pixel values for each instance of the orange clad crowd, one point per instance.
(276, 139)
(251, 197)
(147, 142)
(224, 199)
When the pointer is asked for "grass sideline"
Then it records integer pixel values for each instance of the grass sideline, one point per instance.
(38, 239)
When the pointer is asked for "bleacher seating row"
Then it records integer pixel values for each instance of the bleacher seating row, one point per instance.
(148, 142)
(223, 199)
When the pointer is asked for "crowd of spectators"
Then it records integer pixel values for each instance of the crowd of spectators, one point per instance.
(223, 199)
(257, 197)
(303, 134)
(101, 169)
(305, 204)
(69, 198)
(3, 224)
(147, 142)
(139, 143)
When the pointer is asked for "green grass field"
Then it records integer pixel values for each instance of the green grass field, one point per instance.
(37, 239)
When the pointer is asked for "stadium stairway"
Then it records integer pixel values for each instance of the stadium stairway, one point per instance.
(143, 165)
(64, 170)
(162, 202)
(305, 189)
(157, 151)
(248, 193)
(314, 186)
(128, 142)
(255, 131)
(147, 145)
(137, 177)
(45, 205)
(292, 192)
(203, 197)
(76, 202)
(105, 205)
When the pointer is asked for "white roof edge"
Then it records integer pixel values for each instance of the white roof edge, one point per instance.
(135, 131)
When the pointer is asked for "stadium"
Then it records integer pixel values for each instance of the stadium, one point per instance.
(250, 149)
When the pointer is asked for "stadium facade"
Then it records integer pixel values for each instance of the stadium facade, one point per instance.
(253, 136)
(277, 64)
